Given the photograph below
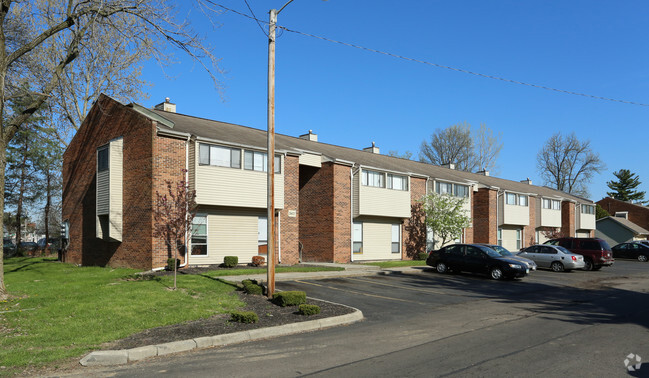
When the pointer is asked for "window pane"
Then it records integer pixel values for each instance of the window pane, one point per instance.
(247, 160)
(278, 164)
(204, 154)
(461, 191)
(364, 178)
(102, 159)
(220, 156)
(522, 200)
(556, 205)
(258, 161)
(395, 233)
(262, 230)
(511, 199)
(235, 158)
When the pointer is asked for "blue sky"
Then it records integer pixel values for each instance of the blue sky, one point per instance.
(352, 97)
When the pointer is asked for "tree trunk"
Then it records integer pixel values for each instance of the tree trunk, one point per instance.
(3, 163)
(48, 204)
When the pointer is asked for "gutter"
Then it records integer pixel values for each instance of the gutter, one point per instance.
(187, 251)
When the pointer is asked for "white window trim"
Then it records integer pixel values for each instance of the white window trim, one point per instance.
(207, 232)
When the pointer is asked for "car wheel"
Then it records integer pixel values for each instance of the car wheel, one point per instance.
(557, 266)
(597, 267)
(588, 265)
(642, 258)
(442, 268)
(496, 274)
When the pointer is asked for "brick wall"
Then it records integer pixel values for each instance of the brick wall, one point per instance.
(529, 231)
(637, 214)
(341, 213)
(568, 218)
(168, 160)
(290, 232)
(108, 120)
(316, 227)
(485, 222)
(414, 228)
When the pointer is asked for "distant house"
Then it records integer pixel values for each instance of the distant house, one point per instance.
(332, 203)
(637, 214)
(616, 230)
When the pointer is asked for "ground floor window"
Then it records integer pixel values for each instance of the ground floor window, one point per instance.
(396, 238)
(430, 239)
(357, 237)
(519, 239)
(500, 236)
(262, 235)
(199, 235)
(537, 237)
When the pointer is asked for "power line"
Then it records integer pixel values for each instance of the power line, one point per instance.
(255, 18)
(511, 81)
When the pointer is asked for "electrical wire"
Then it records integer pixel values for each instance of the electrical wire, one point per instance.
(511, 81)
(253, 17)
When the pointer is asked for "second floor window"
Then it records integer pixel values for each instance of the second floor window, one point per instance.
(102, 159)
(372, 178)
(516, 199)
(457, 190)
(587, 209)
(219, 156)
(397, 182)
(258, 161)
(551, 204)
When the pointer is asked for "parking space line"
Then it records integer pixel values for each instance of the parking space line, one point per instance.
(363, 294)
(401, 287)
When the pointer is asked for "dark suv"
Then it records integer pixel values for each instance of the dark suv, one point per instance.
(597, 253)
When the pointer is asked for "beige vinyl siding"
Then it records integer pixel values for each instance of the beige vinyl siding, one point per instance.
(383, 202)
(192, 164)
(515, 214)
(541, 236)
(356, 191)
(116, 171)
(230, 232)
(311, 160)
(222, 186)
(509, 238)
(103, 192)
(582, 234)
(548, 217)
(377, 241)
(585, 221)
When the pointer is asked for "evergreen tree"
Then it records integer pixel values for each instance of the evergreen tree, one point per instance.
(624, 189)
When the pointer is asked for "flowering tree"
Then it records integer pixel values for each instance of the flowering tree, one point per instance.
(446, 216)
(173, 216)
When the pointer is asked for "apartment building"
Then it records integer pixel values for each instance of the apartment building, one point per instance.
(332, 203)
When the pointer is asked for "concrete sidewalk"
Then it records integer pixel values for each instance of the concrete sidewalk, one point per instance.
(119, 357)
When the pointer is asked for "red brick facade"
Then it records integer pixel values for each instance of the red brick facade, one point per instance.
(485, 222)
(567, 218)
(529, 231)
(290, 225)
(637, 214)
(79, 188)
(414, 228)
(316, 213)
(342, 212)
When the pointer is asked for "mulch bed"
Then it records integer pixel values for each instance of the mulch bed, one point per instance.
(269, 315)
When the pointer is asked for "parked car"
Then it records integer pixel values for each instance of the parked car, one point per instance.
(8, 248)
(27, 247)
(645, 242)
(554, 257)
(597, 253)
(504, 252)
(632, 250)
(475, 258)
(54, 244)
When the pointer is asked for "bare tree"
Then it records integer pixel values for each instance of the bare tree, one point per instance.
(173, 216)
(568, 164)
(395, 153)
(458, 144)
(30, 29)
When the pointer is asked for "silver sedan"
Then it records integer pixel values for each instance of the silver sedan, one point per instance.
(554, 257)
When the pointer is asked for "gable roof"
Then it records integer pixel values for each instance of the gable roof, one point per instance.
(641, 207)
(637, 230)
(232, 134)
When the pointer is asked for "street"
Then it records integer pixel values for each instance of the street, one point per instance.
(428, 324)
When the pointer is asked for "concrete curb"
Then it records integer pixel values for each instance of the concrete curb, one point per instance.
(120, 357)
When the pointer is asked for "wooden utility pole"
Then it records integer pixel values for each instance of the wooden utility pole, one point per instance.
(271, 154)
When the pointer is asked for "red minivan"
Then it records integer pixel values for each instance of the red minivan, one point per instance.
(597, 253)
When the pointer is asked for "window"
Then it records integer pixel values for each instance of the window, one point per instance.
(537, 236)
(518, 239)
(262, 235)
(500, 236)
(219, 156)
(444, 188)
(587, 209)
(199, 235)
(358, 237)
(430, 239)
(397, 182)
(396, 238)
(516, 199)
(102, 159)
(556, 205)
(372, 178)
(258, 161)
(461, 190)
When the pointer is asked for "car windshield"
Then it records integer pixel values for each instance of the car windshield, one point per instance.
(501, 250)
(562, 249)
(605, 245)
(491, 252)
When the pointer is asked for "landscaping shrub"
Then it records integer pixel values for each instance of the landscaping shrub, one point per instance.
(307, 309)
(258, 260)
(170, 263)
(230, 261)
(252, 287)
(422, 256)
(244, 317)
(289, 298)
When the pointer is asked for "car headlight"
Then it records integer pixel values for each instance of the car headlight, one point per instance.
(515, 266)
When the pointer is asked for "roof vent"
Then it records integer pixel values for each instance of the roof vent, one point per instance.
(527, 181)
(448, 165)
(310, 136)
(166, 106)
(483, 172)
(373, 149)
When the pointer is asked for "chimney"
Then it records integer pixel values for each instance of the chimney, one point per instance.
(166, 106)
(483, 172)
(310, 136)
(373, 149)
(527, 181)
(448, 165)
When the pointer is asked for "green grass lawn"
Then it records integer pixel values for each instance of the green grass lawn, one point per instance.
(278, 269)
(395, 264)
(57, 310)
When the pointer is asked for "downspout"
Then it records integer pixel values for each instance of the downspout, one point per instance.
(186, 183)
(498, 194)
(351, 213)
(279, 237)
